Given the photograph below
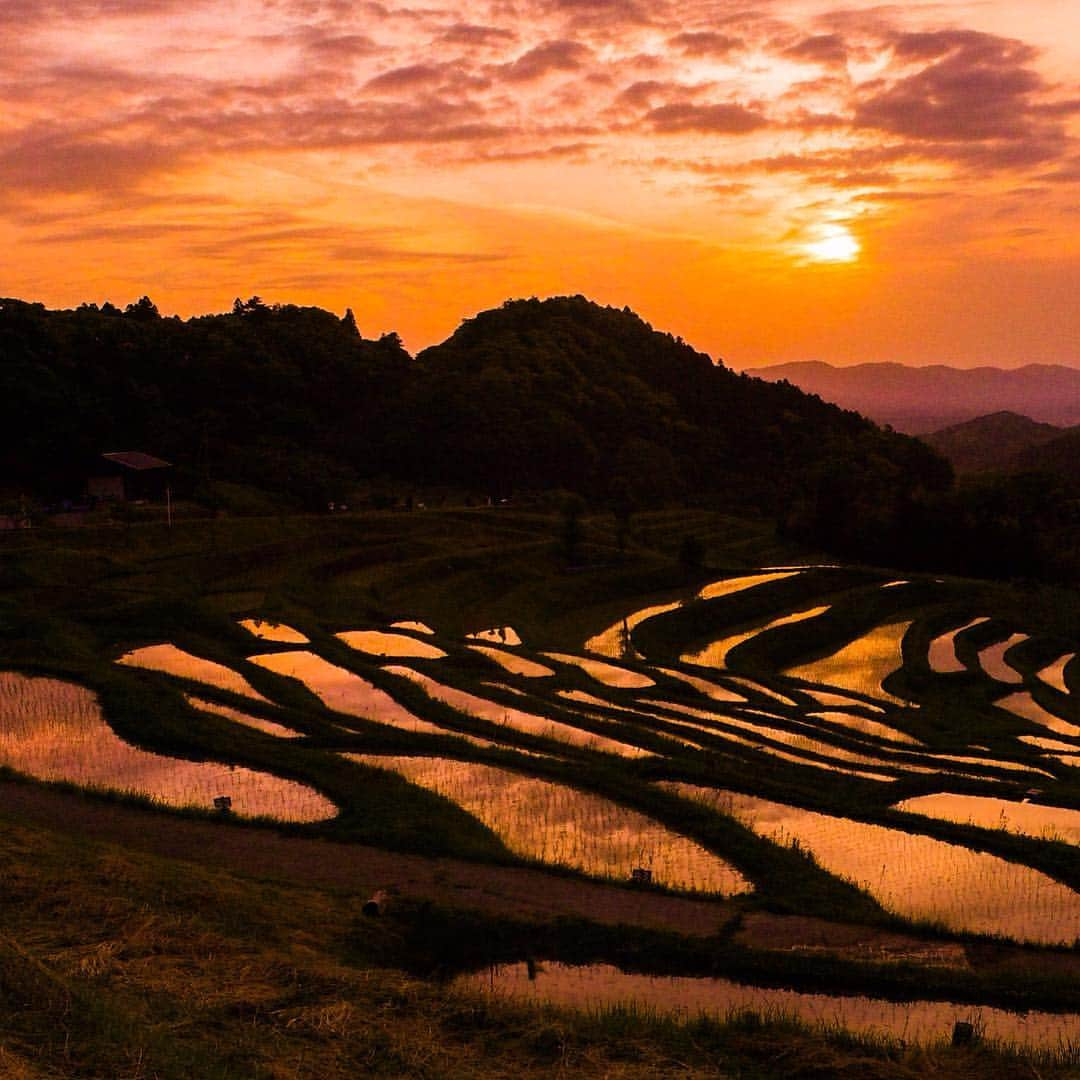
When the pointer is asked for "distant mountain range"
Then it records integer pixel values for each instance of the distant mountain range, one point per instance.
(918, 400)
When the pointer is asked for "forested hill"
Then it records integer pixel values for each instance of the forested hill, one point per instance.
(533, 395)
(566, 393)
(286, 398)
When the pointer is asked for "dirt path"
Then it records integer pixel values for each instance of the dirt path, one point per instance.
(509, 891)
(354, 867)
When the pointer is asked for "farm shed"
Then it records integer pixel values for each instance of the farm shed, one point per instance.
(128, 475)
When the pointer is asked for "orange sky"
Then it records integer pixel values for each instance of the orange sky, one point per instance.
(771, 180)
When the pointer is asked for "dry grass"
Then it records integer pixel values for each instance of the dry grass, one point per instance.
(132, 967)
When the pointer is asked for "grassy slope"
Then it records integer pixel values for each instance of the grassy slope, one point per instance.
(138, 966)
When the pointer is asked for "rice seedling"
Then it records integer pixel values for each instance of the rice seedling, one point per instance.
(716, 654)
(271, 631)
(54, 730)
(380, 643)
(529, 723)
(1024, 818)
(516, 665)
(942, 652)
(599, 988)
(917, 877)
(173, 661)
(602, 672)
(862, 666)
(557, 824)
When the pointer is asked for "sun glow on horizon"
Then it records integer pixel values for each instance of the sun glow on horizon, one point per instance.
(834, 244)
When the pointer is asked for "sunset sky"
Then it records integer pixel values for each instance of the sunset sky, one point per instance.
(771, 180)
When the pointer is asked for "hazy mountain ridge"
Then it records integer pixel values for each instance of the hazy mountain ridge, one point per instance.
(999, 441)
(919, 400)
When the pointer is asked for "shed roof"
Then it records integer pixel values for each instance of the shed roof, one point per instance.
(136, 459)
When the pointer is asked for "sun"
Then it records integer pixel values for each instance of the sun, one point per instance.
(834, 243)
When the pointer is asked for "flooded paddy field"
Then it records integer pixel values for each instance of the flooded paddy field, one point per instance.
(740, 735)
(598, 988)
(54, 730)
(559, 825)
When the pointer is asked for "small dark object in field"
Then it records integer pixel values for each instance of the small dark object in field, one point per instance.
(378, 904)
(963, 1033)
(640, 876)
(223, 804)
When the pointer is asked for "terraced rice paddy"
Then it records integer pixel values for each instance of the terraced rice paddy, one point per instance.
(270, 631)
(861, 666)
(380, 643)
(348, 693)
(1054, 674)
(1049, 744)
(515, 664)
(55, 730)
(992, 660)
(415, 627)
(598, 988)
(1024, 705)
(861, 725)
(559, 825)
(268, 727)
(795, 739)
(729, 586)
(842, 701)
(915, 876)
(1025, 818)
(608, 674)
(518, 720)
(712, 690)
(615, 640)
(942, 653)
(716, 654)
(173, 661)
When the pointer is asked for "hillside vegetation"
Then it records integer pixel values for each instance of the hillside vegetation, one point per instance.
(296, 409)
(995, 442)
(532, 396)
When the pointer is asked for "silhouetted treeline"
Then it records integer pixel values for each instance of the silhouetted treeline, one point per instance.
(532, 396)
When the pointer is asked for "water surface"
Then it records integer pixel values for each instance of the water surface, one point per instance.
(555, 823)
(55, 730)
(173, 661)
(915, 876)
(598, 987)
